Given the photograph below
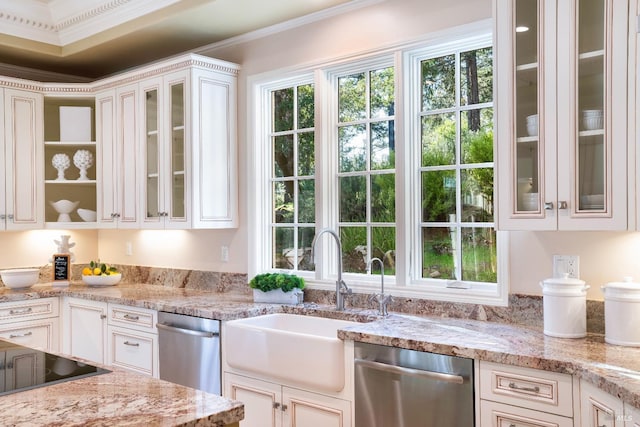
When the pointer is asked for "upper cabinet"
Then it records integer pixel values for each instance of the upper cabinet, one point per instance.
(562, 105)
(189, 147)
(69, 161)
(21, 154)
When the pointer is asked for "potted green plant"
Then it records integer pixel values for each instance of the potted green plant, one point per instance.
(277, 288)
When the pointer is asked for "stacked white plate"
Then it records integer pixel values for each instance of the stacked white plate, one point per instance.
(532, 125)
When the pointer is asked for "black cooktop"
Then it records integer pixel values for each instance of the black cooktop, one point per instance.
(25, 368)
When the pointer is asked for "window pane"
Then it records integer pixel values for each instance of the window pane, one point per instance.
(305, 238)
(382, 93)
(477, 195)
(438, 196)
(305, 107)
(306, 201)
(306, 154)
(283, 201)
(479, 260)
(383, 198)
(282, 247)
(438, 247)
(352, 98)
(476, 76)
(354, 249)
(476, 134)
(438, 83)
(383, 145)
(283, 156)
(353, 199)
(384, 247)
(282, 101)
(438, 140)
(353, 146)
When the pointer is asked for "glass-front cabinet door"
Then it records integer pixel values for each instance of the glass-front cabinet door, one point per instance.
(561, 105)
(164, 152)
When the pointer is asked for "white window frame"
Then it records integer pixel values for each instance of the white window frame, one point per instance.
(407, 281)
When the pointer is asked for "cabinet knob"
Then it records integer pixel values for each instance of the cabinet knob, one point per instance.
(276, 405)
(3, 216)
(562, 205)
(10, 216)
(284, 408)
(103, 316)
(548, 206)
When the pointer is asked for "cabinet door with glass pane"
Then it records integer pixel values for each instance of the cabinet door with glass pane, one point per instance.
(592, 114)
(163, 145)
(561, 114)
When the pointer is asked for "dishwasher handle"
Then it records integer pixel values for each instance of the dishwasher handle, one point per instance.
(205, 334)
(411, 372)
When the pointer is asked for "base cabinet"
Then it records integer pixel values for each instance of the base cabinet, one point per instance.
(600, 409)
(32, 323)
(84, 329)
(270, 404)
(495, 414)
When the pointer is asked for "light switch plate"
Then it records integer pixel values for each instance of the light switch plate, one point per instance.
(563, 264)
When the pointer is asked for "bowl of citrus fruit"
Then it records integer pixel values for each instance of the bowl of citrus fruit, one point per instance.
(100, 274)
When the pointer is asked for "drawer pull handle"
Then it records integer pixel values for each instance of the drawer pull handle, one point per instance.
(132, 344)
(130, 317)
(23, 311)
(26, 334)
(514, 386)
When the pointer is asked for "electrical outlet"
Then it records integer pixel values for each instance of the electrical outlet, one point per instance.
(566, 264)
(128, 249)
(224, 253)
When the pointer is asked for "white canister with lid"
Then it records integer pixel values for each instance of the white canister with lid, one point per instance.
(622, 312)
(565, 307)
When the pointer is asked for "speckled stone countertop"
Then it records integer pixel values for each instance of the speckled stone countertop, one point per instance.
(614, 369)
(117, 399)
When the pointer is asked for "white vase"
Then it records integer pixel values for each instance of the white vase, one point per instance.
(61, 162)
(277, 296)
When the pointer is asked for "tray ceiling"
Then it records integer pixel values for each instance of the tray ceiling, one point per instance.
(95, 38)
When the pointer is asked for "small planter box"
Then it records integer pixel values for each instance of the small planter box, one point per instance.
(277, 296)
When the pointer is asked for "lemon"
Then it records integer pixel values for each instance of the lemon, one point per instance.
(86, 271)
(96, 271)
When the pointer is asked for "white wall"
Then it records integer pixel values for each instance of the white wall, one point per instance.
(603, 256)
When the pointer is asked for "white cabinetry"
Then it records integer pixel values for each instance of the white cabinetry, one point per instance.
(133, 339)
(514, 396)
(117, 128)
(189, 147)
(77, 183)
(32, 323)
(111, 334)
(561, 109)
(21, 157)
(631, 416)
(598, 408)
(84, 329)
(270, 404)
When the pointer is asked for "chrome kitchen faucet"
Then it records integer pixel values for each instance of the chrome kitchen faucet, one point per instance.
(341, 287)
(380, 298)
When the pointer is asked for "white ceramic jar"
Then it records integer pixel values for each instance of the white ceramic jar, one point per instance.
(622, 312)
(565, 307)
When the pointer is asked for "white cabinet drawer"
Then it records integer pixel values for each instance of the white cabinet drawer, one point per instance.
(141, 319)
(531, 388)
(41, 334)
(133, 350)
(28, 309)
(494, 414)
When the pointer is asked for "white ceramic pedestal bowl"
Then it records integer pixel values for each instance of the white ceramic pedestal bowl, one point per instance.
(87, 215)
(64, 208)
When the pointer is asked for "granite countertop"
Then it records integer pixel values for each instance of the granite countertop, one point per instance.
(614, 369)
(118, 398)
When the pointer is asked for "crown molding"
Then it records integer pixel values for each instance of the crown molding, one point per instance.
(62, 22)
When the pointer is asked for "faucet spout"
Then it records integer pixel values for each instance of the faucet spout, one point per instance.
(341, 287)
(380, 298)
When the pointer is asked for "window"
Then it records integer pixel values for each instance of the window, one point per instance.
(455, 115)
(366, 161)
(396, 152)
(292, 176)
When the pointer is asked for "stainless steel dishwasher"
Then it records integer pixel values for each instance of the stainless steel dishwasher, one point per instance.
(406, 388)
(189, 350)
